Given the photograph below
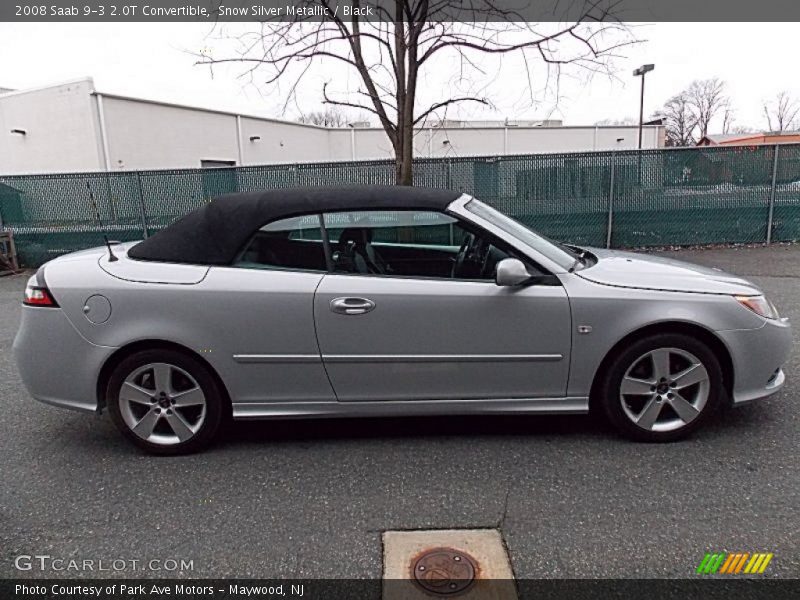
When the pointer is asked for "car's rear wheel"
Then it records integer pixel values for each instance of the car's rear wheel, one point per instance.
(662, 388)
(165, 402)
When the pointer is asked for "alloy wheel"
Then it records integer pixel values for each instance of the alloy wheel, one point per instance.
(162, 404)
(664, 389)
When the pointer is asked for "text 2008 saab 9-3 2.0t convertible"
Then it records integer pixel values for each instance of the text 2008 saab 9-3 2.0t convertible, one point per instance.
(386, 301)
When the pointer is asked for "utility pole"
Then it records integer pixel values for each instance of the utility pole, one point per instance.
(641, 72)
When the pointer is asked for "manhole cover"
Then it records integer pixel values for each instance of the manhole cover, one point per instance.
(444, 571)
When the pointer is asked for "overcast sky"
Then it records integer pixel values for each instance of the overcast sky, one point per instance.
(154, 61)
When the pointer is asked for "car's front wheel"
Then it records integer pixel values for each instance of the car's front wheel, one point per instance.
(662, 388)
(165, 402)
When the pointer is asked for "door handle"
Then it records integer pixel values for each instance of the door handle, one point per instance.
(351, 306)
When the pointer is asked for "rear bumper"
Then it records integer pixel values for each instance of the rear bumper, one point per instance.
(758, 358)
(57, 365)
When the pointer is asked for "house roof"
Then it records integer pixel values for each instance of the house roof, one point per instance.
(719, 138)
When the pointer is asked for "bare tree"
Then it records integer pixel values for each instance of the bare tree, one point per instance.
(390, 52)
(781, 113)
(688, 115)
(329, 117)
(680, 120)
(707, 99)
(728, 119)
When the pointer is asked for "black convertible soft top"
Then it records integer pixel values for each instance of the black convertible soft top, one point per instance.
(215, 233)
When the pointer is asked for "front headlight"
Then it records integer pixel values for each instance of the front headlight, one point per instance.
(759, 305)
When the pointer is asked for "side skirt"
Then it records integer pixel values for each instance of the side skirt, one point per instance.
(410, 408)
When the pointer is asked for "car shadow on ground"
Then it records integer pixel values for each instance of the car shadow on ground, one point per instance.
(289, 430)
(756, 419)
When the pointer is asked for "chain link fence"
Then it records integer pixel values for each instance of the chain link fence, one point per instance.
(615, 199)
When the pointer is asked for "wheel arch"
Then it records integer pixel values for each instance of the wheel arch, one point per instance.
(153, 344)
(708, 337)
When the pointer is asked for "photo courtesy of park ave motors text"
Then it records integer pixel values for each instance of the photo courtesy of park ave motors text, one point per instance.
(399, 299)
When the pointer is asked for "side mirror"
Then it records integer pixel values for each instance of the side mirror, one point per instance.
(511, 272)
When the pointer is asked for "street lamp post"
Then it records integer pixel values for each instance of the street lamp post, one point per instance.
(641, 71)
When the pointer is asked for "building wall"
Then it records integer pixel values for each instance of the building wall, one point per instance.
(285, 142)
(752, 139)
(370, 143)
(479, 141)
(64, 134)
(142, 135)
(767, 138)
(61, 128)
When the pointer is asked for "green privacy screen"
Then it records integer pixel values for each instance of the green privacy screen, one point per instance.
(623, 199)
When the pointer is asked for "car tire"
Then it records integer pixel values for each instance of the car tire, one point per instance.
(166, 402)
(662, 388)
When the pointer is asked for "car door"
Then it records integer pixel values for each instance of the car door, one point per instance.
(386, 334)
(260, 312)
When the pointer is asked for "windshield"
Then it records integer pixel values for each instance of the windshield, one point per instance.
(560, 254)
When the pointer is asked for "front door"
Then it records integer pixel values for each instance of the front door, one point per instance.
(415, 315)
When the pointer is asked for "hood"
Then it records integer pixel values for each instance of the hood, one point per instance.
(646, 272)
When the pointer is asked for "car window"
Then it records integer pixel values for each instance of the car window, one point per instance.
(558, 253)
(410, 244)
(294, 244)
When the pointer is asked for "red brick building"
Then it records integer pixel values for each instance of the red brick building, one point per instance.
(751, 139)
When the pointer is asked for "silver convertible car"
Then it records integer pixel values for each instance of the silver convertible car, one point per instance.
(386, 301)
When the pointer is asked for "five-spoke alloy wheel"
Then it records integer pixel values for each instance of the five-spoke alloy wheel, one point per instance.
(164, 401)
(662, 387)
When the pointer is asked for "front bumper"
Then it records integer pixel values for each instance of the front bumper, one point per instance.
(758, 357)
(57, 365)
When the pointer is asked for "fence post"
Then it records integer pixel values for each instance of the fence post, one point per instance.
(142, 211)
(295, 168)
(772, 194)
(449, 174)
(610, 226)
(110, 195)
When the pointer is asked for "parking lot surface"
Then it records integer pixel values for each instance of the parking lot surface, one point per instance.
(312, 498)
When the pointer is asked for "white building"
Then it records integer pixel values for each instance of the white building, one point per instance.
(73, 127)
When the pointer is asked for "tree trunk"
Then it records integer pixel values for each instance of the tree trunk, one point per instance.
(406, 133)
(404, 157)
(405, 118)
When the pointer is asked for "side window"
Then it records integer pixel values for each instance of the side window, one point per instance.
(410, 244)
(292, 244)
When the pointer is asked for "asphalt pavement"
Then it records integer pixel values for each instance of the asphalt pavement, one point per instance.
(312, 498)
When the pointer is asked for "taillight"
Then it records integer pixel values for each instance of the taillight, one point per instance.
(39, 296)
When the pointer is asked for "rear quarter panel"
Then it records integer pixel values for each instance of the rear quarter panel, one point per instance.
(228, 311)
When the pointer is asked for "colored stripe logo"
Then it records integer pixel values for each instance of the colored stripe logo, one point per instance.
(734, 563)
